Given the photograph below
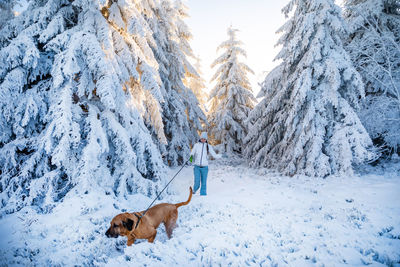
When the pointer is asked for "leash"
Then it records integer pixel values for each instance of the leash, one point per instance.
(144, 213)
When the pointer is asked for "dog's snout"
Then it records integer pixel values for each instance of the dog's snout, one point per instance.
(108, 233)
(111, 233)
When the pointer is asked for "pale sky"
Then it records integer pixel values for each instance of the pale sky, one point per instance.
(257, 22)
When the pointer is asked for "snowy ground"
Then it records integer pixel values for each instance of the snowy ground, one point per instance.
(249, 218)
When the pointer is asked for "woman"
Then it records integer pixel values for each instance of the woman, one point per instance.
(200, 156)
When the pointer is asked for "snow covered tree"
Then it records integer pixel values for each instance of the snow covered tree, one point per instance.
(374, 47)
(197, 85)
(391, 7)
(182, 115)
(6, 12)
(77, 81)
(306, 123)
(231, 98)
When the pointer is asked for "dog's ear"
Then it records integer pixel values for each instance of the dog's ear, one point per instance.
(128, 224)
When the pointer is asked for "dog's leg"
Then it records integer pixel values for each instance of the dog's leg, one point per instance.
(153, 236)
(170, 223)
(169, 228)
(131, 240)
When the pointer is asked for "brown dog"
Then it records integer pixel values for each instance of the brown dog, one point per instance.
(124, 224)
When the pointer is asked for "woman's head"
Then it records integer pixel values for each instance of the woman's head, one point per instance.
(203, 137)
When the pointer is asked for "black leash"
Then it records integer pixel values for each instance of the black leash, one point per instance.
(144, 213)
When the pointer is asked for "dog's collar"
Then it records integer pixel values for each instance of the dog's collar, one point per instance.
(139, 218)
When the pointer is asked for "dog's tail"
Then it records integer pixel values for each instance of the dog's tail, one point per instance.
(187, 202)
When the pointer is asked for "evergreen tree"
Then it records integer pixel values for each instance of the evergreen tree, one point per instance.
(374, 46)
(197, 85)
(182, 115)
(231, 98)
(306, 123)
(74, 79)
(6, 12)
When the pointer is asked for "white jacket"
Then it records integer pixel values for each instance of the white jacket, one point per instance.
(199, 153)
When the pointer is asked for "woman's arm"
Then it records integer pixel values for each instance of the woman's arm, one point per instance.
(212, 152)
(193, 150)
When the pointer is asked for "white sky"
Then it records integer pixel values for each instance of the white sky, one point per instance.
(257, 22)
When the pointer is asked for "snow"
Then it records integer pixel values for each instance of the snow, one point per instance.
(231, 99)
(250, 217)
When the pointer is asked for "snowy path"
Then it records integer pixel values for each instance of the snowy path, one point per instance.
(249, 218)
(252, 220)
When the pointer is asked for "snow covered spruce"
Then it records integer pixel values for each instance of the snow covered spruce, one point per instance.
(197, 85)
(231, 98)
(89, 99)
(306, 122)
(181, 113)
(374, 46)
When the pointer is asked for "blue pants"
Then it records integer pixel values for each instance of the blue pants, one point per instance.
(200, 175)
